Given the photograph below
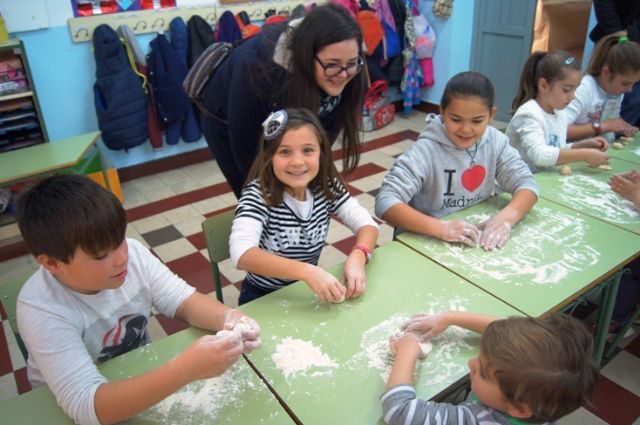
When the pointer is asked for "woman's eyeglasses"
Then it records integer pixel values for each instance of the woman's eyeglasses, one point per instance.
(333, 70)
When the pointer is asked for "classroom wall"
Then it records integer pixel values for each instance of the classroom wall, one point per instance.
(64, 71)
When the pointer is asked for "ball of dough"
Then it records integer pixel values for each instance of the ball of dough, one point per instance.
(626, 139)
(605, 167)
(617, 145)
(341, 299)
(565, 170)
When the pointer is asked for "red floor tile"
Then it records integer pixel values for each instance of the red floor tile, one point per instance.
(198, 240)
(614, 404)
(634, 346)
(195, 270)
(365, 170)
(22, 381)
(345, 245)
(171, 325)
(5, 358)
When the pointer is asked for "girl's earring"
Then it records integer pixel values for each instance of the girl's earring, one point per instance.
(275, 124)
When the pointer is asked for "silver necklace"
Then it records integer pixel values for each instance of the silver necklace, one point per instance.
(472, 156)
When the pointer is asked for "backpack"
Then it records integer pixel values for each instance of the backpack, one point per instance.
(202, 71)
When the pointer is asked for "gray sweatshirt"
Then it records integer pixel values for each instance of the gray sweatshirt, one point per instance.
(435, 177)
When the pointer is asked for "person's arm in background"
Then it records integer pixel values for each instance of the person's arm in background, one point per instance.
(627, 185)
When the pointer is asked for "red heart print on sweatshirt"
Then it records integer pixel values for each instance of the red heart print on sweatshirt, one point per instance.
(473, 177)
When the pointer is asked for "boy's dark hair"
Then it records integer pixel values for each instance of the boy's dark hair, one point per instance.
(543, 363)
(618, 53)
(272, 188)
(468, 84)
(552, 66)
(62, 213)
(325, 25)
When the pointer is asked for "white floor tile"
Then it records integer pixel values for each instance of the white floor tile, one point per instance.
(581, 417)
(191, 226)
(132, 233)
(623, 370)
(173, 176)
(338, 232)
(173, 250)
(8, 387)
(9, 231)
(181, 214)
(230, 272)
(150, 223)
(18, 265)
(209, 205)
(330, 257)
(17, 359)
(158, 193)
(230, 295)
(155, 330)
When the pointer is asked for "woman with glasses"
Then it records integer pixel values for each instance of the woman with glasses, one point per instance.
(313, 62)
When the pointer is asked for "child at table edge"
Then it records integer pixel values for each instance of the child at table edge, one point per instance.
(91, 300)
(458, 160)
(532, 370)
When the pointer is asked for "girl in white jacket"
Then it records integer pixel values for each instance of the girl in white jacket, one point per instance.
(538, 129)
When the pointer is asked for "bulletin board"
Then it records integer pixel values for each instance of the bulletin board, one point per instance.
(19, 16)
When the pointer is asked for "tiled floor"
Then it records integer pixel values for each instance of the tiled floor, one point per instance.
(165, 213)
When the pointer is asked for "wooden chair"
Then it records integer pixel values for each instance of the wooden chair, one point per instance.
(216, 233)
(9, 291)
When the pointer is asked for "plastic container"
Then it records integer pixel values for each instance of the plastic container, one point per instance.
(4, 35)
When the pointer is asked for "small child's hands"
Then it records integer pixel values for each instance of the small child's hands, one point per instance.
(354, 276)
(596, 158)
(599, 143)
(495, 233)
(458, 231)
(325, 285)
(627, 185)
(406, 343)
(209, 356)
(618, 125)
(249, 329)
(429, 325)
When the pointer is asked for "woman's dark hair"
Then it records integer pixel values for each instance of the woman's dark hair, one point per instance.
(325, 25)
(551, 66)
(328, 178)
(468, 84)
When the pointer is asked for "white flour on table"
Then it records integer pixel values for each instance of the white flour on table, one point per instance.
(295, 355)
(202, 401)
(544, 250)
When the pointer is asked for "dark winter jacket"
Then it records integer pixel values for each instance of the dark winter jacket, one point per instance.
(120, 100)
(200, 37)
(243, 92)
(616, 15)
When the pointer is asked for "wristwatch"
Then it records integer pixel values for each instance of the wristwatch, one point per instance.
(596, 127)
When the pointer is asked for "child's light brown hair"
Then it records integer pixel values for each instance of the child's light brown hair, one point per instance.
(542, 363)
(328, 179)
(618, 53)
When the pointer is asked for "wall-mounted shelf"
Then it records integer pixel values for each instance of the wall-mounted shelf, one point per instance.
(149, 21)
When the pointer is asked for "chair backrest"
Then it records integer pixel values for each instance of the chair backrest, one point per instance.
(9, 290)
(216, 230)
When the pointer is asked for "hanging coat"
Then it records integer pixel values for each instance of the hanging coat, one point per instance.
(120, 100)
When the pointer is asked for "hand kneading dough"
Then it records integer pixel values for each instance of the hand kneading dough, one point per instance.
(565, 170)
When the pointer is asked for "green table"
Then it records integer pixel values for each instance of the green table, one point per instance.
(630, 152)
(353, 337)
(553, 255)
(587, 190)
(44, 158)
(236, 397)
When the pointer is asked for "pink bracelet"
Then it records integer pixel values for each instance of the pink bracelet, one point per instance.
(365, 250)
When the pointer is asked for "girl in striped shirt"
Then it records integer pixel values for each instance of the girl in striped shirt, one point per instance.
(283, 214)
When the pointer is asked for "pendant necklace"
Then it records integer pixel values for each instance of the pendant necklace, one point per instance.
(472, 156)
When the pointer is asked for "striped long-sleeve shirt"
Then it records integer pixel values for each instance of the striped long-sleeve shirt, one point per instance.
(292, 229)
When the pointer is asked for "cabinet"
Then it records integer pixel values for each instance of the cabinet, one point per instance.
(21, 122)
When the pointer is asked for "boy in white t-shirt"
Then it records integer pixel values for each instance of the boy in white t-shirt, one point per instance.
(91, 300)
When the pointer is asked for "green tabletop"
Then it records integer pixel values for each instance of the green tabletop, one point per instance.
(236, 397)
(44, 158)
(348, 342)
(587, 190)
(553, 255)
(630, 152)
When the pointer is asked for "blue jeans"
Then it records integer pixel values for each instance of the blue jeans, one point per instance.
(250, 292)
